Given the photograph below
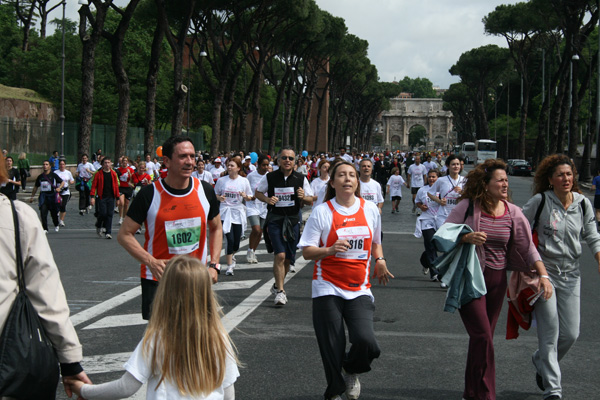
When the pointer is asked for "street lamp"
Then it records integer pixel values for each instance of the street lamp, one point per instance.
(574, 58)
(62, 86)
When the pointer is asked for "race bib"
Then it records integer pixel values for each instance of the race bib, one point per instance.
(284, 195)
(231, 197)
(45, 186)
(183, 236)
(355, 235)
(369, 196)
(124, 177)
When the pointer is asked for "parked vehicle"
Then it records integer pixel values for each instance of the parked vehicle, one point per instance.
(519, 167)
(467, 152)
(485, 149)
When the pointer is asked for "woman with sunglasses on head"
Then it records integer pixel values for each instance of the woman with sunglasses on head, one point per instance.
(566, 220)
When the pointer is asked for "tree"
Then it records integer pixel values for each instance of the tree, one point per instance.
(421, 88)
(479, 69)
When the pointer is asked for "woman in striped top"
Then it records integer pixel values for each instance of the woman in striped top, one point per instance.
(501, 233)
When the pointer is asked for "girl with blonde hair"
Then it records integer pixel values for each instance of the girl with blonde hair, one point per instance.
(184, 347)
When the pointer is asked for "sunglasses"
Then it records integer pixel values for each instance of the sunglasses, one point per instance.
(287, 158)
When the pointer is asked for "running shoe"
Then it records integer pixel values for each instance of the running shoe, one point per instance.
(274, 289)
(61, 223)
(230, 269)
(108, 236)
(426, 271)
(57, 228)
(393, 210)
(280, 298)
(45, 231)
(292, 268)
(81, 212)
(352, 385)
(443, 285)
(120, 221)
(138, 232)
(250, 256)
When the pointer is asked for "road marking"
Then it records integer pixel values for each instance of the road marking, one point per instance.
(260, 265)
(235, 285)
(94, 311)
(114, 321)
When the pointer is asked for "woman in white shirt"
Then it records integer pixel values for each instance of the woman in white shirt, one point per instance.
(65, 194)
(85, 171)
(340, 287)
(201, 173)
(256, 209)
(231, 190)
(447, 189)
(319, 184)
(426, 224)
(394, 188)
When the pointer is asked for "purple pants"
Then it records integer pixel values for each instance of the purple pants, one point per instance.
(480, 317)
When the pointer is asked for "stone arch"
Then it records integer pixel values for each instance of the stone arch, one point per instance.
(395, 142)
(404, 114)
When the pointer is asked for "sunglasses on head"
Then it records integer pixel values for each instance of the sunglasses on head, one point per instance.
(287, 158)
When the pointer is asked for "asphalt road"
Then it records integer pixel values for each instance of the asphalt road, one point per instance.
(423, 348)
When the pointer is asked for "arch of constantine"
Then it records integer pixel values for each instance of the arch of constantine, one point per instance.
(407, 113)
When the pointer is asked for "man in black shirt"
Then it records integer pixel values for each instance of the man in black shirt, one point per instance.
(106, 186)
(50, 185)
(11, 187)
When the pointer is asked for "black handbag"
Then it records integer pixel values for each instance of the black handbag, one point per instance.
(28, 362)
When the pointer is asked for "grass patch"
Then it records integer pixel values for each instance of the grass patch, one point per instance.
(7, 92)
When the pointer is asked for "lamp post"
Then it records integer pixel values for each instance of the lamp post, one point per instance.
(62, 87)
(574, 58)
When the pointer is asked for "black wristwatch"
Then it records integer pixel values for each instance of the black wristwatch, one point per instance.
(216, 267)
(380, 258)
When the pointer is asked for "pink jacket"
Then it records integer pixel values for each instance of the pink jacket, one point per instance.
(522, 253)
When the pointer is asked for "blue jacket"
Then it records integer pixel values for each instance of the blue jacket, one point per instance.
(458, 266)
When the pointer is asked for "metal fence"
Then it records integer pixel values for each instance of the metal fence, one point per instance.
(34, 136)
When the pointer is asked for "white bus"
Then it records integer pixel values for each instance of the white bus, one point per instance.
(467, 152)
(485, 149)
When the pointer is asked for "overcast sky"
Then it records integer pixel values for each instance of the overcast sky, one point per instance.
(417, 38)
(414, 38)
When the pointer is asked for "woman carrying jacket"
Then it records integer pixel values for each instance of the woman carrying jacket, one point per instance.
(502, 238)
(565, 221)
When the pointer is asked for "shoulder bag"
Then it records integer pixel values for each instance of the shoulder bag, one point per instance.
(28, 362)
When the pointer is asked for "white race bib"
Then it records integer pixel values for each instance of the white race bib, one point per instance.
(284, 194)
(355, 235)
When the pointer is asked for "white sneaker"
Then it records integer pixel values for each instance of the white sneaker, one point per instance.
(139, 231)
(61, 223)
(230, 269)
(57, 228)
(425, 271)
(99, 232)
(250, 257)
(46, 232)
(280, 299)
(352, 385)
(108, 236)
(443, 285)
(292, 268)
(274, 289)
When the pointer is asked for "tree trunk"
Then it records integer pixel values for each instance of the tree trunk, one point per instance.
(255, 128)
(151, 87)
(523, 127)
(574, 116)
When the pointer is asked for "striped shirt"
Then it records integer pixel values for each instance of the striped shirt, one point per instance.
(497, 230)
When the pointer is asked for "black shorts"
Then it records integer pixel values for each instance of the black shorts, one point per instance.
(149, 288)
(396, 198)
(597, 202)
(126, 191)
(414, 190)
(63, 204)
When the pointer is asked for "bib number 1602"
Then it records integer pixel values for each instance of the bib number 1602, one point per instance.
(182, 237)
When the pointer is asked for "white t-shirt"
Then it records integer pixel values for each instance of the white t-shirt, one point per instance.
(233, 210)
(67, 178)
(444, 189)
(347, 157)
(204, 176)
(430, 165)
(316, 231)
(216, 172)
(416, 173)
(395, 183)
(139, 367)
(371, 191)
(256, 207)
(82, 170)
(427, 219)
(319, 187)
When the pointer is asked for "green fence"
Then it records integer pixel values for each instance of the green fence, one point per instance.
(39, 138)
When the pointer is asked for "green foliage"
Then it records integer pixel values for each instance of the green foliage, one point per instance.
(416, 136)
(421, 88)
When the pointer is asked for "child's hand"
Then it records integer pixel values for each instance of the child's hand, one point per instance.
(73, 385)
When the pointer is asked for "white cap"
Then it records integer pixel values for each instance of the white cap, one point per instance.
(217, 160)
(247, 158)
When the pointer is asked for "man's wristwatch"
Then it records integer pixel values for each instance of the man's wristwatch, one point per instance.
(216, 267)
(380, 258)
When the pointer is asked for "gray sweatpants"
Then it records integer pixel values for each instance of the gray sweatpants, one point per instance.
(557, 327)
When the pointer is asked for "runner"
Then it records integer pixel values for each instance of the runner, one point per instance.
(340, 236)
(286, 190)
(394, 188)
(85, 171)
(415, 175)
(11, 187)
(318, 185)
(447, 190)
(231, 190)
(370, 189)
(65, 194)
(105, 185)
(176, 211)
(426, 225)
(50, 186)
(201, 173)
(125, 172)
(256, 209)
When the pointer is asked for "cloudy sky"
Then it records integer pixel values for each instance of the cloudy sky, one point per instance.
(417, 38)
(414, 38)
